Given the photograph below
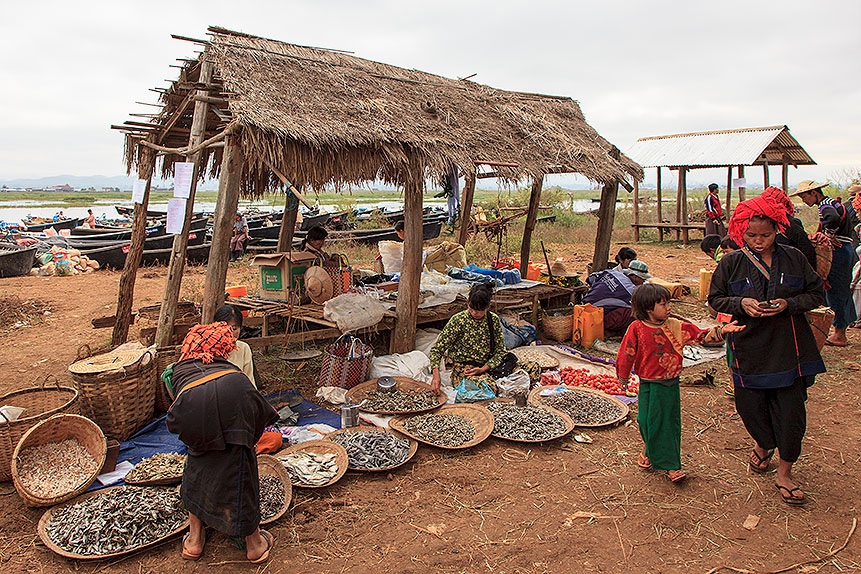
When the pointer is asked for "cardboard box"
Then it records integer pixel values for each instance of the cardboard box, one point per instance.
(282, 273)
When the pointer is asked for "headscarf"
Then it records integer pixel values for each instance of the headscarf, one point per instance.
(778, 195)
(856, 202)
(205, 342)
(762, 206)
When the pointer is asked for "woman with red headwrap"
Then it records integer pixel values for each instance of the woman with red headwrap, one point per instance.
(220, 416)
(768, 288)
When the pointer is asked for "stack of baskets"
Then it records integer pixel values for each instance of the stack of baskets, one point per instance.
(117, 389)
(558, 324)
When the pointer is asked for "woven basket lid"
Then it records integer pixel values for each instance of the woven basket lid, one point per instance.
(109, 361)
(318, 285)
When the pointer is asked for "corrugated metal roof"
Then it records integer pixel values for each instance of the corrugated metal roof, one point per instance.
(749, 146)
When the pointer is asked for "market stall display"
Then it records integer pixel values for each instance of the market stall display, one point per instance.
(530, 423)
(373, 448)
(600, 382)
(536, 355)
(408, 396)
(314, 463)
(159, 469)
(452, 426)
(586, 407)
(276, 491)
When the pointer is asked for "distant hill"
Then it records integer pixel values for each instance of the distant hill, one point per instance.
(97, 181)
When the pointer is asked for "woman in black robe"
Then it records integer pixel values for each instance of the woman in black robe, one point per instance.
(220, 416)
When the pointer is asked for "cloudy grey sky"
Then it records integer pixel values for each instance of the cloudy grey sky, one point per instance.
(70, 69)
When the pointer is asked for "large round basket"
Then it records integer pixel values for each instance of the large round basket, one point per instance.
(42, 531)
(164, 356)
(569, 424)
(320, 447)
(117, 390)
(535, 398)
(39, 403)
(57, 429)
(480, 417)
(560, 325)
(414, 446)
(271, 466)
(358, 393)
(164, 481)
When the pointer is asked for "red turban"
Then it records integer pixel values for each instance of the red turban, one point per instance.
(780, 197)
(205, 342)
(761, 206)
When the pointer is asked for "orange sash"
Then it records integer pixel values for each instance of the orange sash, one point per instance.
(202, 381)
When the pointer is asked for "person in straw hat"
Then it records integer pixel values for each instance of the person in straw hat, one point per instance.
(835, 227)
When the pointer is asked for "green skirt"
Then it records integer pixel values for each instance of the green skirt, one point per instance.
(659, 416)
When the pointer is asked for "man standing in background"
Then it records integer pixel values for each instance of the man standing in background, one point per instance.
(714, 212)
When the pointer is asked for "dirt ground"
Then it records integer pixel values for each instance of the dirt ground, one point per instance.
(499, 507)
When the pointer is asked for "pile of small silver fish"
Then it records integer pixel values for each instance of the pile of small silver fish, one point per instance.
(55, 468)
(402, 401)
(116, 520)
(159, 466)
(373, 450)
(584, 408)
(441, 429)
(310, 468)
(524, 423)
(271, 496)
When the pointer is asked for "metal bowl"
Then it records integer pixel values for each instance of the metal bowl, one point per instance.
(386, 384)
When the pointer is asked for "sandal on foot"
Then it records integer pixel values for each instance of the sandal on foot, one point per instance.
(788, 496)
(676, 475)
(759, 464)
(270, 543)
(729, 390)
(836, 344)
(186, 555)
(643, 461)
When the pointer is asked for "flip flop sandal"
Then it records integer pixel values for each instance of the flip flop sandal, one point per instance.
(833, 344)
(789, 498)
(729, 390)
(756, 462)
(644, 462)
(265, 556)
(676, 475)
(186, 555)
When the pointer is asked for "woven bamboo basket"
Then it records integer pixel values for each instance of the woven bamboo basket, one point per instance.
(118, 395)
(39, 403)
(534, 397)
(820, 323)
(57, 429)
(164, 356)
(569, 424)
(269, 465)
(558, 328)
(360, 392)
(414, 445)
(320, 447)
(479, 416)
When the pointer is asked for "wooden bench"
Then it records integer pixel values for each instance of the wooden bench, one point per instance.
(678, 227)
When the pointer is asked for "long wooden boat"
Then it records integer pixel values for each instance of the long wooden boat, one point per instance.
(199, 223)
(150, 213)
(195, 237)
(430, 230)
(15, 261)
(114, 256)
(309, 221)
(57, 225)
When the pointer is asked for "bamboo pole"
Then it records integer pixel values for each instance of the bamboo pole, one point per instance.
(683, 186)
(728, 190)
(222, 228)
(531, 218)
(765, 179)
(660, 215)
(636, 210)
(167, 315)
(404, 334)
(288, 223)
(741, 189)
(126, 295)
(784, 172)
(466, 209)
(679, 203)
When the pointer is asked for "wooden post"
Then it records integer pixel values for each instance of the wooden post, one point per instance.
(683, 188)
(408, 287)
(765, 182)
(741, 189)
(531, 218)
(679, 203)
(288, 223)
(164, 331)
(636, 210)
(125, 298)
(606, 216)
(728, 191)
(222, 228)
(466, 207)
(660, 215)
(785, 176)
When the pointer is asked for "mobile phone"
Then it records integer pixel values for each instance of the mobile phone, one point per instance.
(770, 304)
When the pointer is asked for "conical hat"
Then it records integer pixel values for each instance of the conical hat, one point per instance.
(318, 285)
(559, 270)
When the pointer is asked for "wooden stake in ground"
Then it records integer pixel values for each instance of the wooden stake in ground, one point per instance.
(531, 218)
(660, 215)
(404, 334)
(728, 191)
(683, 185)
(636, 210)
(741, 188)
(466, 208)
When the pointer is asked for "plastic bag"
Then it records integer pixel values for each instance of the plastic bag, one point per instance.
(392, 253)
(470, 391)
(514, 384)
(413, 365)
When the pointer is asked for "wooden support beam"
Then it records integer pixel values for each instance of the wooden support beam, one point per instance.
(765, 178)
(288, 223)
(531, 218)
(287, 184)
(728, 191)
(636, 209)
(741, 189)
(408, 288)
(683, 186)
(495, 163)
(193, 40)
(212, 100)
(167, 315)
(660, 215)
(222, 228)
(679, 202)
(784, 172)
(606, 217)
(126, 295)
(488, 175)
(174, 117)
(466, 208)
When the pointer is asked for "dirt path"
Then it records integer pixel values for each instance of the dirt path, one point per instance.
(500, 507)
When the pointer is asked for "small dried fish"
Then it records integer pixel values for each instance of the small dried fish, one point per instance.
(373, 450)
(310, 468)
(271, 496)
(55, 468)
(158, 466)
(584, 408)
(441, 429)
(524, 423)
(404, 401)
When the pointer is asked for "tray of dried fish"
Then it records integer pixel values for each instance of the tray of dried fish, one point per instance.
(276, 491)
(530, 423)
(113, 521)
(408, 396)
(314, 463)
(373, 449)
(160, 469)
(536, 355)
(586, 407)
(452, 426)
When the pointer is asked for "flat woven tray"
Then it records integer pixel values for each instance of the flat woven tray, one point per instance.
(167, 480)
(269, 465)
(320, 447)
(569, 424)
(536, 354)
(535, 398)
(41, 530)
(482, 422)
(414, 446)
(358, 393)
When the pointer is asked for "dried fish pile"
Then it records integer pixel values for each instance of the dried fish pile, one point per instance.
(442, 430)
(159, 466)
(55, 468)
(373, 450)
(116, 520)
(310, 468)
(584, 408)
(535, 355)
(271, 496)
(525, 423)
(401, 400)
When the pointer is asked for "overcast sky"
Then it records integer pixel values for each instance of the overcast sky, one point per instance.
(70, 69)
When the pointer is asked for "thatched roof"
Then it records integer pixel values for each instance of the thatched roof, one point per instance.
(325, 117)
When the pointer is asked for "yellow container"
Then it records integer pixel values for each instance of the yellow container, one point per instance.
(588, 324)
(705, 283)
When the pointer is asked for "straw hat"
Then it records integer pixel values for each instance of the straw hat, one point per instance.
(808, 185)
(559, 270)
(638, 268)
(318, 285)
(853, 189)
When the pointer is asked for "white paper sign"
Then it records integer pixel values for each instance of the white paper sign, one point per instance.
(138, 189)
(739, 182)
(183, 171)
(175, 215)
